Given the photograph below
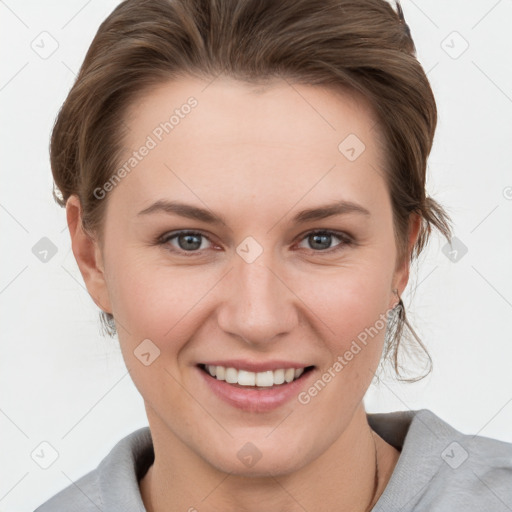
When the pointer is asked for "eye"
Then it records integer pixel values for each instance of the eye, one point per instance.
(191, 243)
(185, 242)
(320, 240)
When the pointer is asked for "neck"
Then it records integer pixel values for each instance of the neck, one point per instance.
(344, 475)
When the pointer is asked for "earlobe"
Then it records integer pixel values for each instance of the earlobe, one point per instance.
(87, 255)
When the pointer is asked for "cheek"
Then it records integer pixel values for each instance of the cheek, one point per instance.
(157, 301)
(351, 304)
(159, 304)
(349, 300)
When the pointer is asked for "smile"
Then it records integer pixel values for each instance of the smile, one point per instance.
(263, 379)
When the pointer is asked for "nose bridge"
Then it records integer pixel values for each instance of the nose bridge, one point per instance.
(258, 305)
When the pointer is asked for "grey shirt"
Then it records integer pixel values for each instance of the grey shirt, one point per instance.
(439, 469)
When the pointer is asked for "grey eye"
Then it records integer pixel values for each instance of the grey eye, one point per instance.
(321, 240)
(187, 241)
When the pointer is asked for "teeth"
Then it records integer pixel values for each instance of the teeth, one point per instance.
(261, 379)
(219, 372)
(278, 376)
(231, 376)
(246, 378)
(265, 379)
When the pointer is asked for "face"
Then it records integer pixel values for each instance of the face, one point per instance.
(262, 279)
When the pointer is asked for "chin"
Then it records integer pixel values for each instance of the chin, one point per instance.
(246, 460)
(273, 466)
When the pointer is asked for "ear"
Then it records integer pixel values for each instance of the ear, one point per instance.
(88, 255)
(401, 276)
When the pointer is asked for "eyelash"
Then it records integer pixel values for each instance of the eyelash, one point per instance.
(346, 240)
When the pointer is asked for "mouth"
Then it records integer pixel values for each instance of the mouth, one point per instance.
(261, 380)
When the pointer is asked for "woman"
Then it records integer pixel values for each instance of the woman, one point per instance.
(244, 185)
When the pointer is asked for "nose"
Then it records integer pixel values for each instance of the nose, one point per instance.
(259, 305)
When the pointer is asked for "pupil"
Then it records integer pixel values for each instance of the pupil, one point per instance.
(322, 239)
(190, 243)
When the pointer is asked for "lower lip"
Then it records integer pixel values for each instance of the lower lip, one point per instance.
(256, 400)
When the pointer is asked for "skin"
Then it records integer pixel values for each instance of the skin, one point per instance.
(256, 156)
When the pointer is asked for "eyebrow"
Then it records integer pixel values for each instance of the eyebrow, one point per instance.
(196, 213)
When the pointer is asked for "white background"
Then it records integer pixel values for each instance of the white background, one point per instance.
(64, 383)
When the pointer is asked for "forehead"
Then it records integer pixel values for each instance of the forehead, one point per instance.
(275, 139)
(251, 113)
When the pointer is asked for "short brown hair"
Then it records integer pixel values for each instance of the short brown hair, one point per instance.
(360, 45)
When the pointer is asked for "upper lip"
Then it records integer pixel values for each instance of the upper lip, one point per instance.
(255, 366)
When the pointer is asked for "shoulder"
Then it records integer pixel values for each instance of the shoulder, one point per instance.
(113, 485)
(441, 468)
(475, 470)
(82, 495)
